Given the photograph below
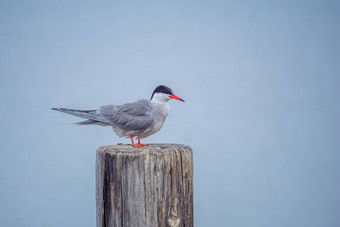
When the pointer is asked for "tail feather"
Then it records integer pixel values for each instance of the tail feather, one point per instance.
(92, 122)
(92, 116)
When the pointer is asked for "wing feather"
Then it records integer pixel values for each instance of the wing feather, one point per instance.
(131, 117)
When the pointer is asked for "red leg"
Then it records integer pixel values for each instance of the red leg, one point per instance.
(133, 144)
(141, 143)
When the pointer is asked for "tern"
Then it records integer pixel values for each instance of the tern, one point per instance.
(138, 119)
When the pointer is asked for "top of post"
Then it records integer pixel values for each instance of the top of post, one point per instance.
(127, 148)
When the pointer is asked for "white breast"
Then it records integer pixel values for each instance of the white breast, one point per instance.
(159, 114)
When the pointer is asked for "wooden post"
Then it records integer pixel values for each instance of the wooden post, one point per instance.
(149, 186)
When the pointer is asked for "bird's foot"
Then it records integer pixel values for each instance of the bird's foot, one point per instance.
(139, 143)
(133, 144)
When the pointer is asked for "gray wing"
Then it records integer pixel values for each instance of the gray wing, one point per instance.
(131, 117)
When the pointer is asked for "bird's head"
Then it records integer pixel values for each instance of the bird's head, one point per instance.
(164, 94)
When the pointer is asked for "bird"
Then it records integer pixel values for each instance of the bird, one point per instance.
(139, 119)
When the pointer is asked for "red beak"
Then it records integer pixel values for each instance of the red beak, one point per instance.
(176, 97)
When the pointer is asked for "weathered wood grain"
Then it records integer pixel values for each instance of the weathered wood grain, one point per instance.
(149, 186)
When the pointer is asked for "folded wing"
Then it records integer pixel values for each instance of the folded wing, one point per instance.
(130, 117)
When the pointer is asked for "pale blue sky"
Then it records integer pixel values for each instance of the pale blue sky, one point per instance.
(261, 84)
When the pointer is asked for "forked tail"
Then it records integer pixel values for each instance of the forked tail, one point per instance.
(92, 116)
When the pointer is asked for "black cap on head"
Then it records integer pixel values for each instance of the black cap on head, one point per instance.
(162, 89)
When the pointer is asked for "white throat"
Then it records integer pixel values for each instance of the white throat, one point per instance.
(160, 98)
(160, 101)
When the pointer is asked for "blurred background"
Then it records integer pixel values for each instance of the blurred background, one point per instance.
(261, 85)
